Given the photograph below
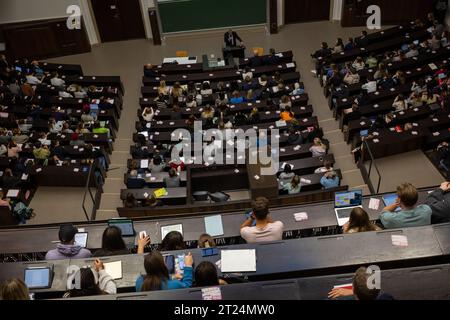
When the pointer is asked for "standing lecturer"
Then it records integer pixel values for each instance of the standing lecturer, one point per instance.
(231, 38)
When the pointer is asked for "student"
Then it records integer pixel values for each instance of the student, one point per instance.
(130, 201)
(371, 61)
(173, 241)
(208, 113)
(236, 98)
(112, 243)
(156, 165)
(360, 290)
(400, 103)
(411, 215)
(362, 41)
(439, 202)
(265, 229)
(285, 101)
(93, 282)
(157, 275)
(330, 180)
(350, 45)
(370, 86)
(248, 74)
(148, 114)
(318, 149)
(205, 275)
(206, 89)
(287, 114)
(327, 167)
(324, 51)
(359, 64)
(173, 180)
(286, 176)
(56, 81)
(67, 249)
(339, 46)
(359, 222)
(294, 186)
(14, 289)
(295, 137)
(162, 89)
(206, 241)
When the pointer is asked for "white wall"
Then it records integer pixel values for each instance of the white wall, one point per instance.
(29, 10)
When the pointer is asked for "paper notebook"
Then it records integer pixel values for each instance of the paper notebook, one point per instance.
(214, 226)
(114, 269)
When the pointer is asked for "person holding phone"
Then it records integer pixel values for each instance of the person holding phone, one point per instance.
(157, 274)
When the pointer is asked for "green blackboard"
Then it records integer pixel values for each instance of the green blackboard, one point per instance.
(188, 15)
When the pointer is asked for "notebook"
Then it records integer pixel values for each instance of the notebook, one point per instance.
(166, 229)
(214, 226)
(114, 269)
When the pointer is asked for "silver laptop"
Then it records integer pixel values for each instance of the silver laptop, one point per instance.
(344, 203)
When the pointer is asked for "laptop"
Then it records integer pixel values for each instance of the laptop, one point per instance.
(364, 133)
(390, 199)
(344, 203)
(127, 228)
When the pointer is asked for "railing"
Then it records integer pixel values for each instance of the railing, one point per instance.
(94, 198)
(367, 174)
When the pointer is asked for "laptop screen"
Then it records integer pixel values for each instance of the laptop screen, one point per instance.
(348, 199)
(125, 225)
(37, 277)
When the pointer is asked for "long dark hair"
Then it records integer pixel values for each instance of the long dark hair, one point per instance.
(173, 241)
(156, 270)
(112, 239)
(88, 285)
(206, 275)
(359, 220)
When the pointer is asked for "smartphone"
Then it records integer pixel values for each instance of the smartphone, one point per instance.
(248, 215)
(169, 260)
(181, 261)
(142, 234)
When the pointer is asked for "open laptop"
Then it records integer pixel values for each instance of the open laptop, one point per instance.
(344, 203)
(127, 228)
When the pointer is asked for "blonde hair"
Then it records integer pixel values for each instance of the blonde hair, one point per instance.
(14, 289)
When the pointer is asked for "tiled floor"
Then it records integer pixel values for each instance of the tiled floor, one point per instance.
(127, 58)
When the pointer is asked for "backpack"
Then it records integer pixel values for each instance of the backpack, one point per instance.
(22, 212)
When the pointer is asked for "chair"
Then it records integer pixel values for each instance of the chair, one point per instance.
(181, 53)
(259, 50)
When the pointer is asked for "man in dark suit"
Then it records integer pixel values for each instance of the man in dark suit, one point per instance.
(230, 38)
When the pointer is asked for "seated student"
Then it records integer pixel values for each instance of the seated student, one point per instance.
(371, 61)
(285, 101)
(359, 222)
(359, 64)
(318, 149)
(370, 86)
(205, 275)
(14, 289)
(360, 290)
(152, 201)
(206, 89)
(352, 77)
(327, 167)
(163, 89)
(330, 180)
(439, 202)
(112, 243)
(173, 241)
(294, 186)
(256, 60)
(148, 114)
(339, 46)
(130, 201)
(67, 249)
(324, 51)
(411, 215)
(56, 81)
(93, 282)
(287, 114)
(400, 103)
(150, 71)
(156, 165)
(295, 137)
(206, 241)
(286, 176)
(247, 74)
(236, 98)
(157, 275)
(208, 112)
(350, 45)
(362, 41)
(96, 128)
(381, 72)
(254, 116)
(265, 229)
(173, 180)
(298, 90)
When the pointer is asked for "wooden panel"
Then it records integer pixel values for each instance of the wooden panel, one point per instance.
(392, 12)
(43, 39)
(273, 15)
(297, 11)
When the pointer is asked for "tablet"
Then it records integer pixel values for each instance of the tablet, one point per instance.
(38, 278)
(390, 199)
(81, 239)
